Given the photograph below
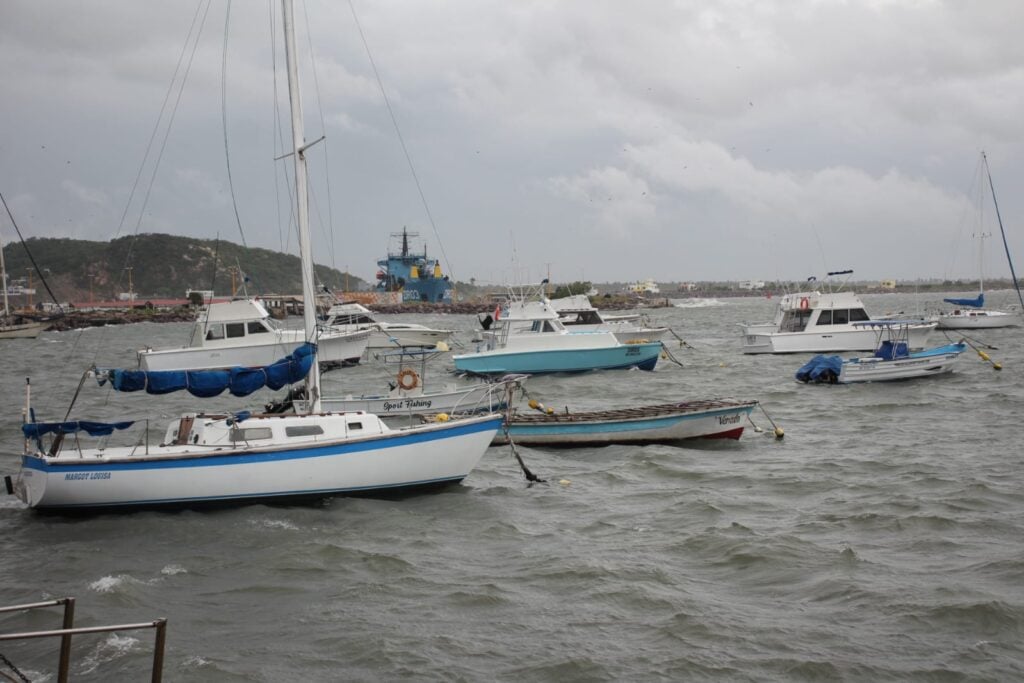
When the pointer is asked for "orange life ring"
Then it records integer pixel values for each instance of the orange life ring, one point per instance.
(408, 379)
(805, 303)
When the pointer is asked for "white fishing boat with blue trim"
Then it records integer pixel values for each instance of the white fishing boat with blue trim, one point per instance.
(892, 360)
(206, 459)
(525, 336)
(660, 423)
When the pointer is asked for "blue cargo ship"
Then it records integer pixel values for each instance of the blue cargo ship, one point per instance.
(417, 277)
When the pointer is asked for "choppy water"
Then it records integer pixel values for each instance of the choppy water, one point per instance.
(882, 539)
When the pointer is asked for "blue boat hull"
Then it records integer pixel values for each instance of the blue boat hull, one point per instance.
(643, 356)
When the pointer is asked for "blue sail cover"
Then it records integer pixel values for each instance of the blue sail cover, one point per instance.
(973, 303)
(208, 383)
(34, 430)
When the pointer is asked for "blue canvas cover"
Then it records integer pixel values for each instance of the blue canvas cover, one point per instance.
(978, 302)
(34, 430)
(208, 383)
(889, 350)
(820, 369)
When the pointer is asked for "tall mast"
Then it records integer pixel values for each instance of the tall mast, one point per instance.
(1006, 246)
(3, 270)
(302, 201)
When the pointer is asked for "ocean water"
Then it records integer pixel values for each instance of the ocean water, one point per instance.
(881, 539)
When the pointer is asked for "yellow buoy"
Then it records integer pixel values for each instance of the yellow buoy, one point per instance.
(441, 346)
(441, 417)
(997, 366)
(779, 433)
(564, 482)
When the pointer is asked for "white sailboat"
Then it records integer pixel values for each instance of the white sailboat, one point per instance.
(970, 313)
(12, 327)
(231, 459)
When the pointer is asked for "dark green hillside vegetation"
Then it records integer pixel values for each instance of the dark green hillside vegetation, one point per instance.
(161, 266)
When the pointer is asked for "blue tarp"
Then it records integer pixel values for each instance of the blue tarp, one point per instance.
(889, 350)
(973, 303)
(208, 383)
(34, 430)
(820, 369)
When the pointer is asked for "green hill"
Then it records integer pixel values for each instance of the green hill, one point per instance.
(160, 266)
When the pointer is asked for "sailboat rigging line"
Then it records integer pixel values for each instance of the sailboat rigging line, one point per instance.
(1006, 246)
(323, 127)
(163, 143)
(224, 119)
(156, 125)
(29, 252)
(401, 140)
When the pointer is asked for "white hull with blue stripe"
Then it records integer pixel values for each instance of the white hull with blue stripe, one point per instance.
(226, 461)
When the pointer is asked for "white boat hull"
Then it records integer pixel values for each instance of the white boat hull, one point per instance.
(879, 370)
(484, 396)
(393, 338)
(175, 476)
(334, 350)
(977, 320)
(758, 339)
(21, 330)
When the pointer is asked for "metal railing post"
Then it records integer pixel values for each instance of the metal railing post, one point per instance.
(65, 640)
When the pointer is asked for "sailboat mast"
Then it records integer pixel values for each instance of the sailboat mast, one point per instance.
(302, 201)
(3, 270)
(1006, 246)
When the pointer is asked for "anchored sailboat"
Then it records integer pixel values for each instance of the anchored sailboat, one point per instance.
(230, 459)
(970, 313)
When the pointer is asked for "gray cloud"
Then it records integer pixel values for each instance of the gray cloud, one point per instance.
(678, 141)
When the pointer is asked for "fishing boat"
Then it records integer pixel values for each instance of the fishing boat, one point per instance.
(579, 315)
(242, 333)
(525, 336)
(13, 326)
(408, 393)
(822, 322)
(892, 359)
(659, 423)
(351, 317)
(206, 458)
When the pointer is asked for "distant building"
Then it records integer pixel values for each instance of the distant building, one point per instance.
(751, 285)
(887, 284)
(687, 287)
(647, 286)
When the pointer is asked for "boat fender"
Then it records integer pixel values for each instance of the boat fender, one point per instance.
(408, 379)
(537, 405)
(805, 303)
(441, 417)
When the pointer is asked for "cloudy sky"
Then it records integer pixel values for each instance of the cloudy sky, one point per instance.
(604, 140)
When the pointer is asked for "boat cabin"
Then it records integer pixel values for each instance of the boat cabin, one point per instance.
(229, 432)
(808, 310)
(230, 321)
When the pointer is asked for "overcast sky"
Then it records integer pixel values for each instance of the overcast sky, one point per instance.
(607, 140)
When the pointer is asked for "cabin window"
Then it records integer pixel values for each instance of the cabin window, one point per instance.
(858, 315)
(840, 316)
(251, 434)
(304, 430)
(235, 330)
(256, 327)
(215, 332)
(355, 425)
(825, 318)
(795, 321)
